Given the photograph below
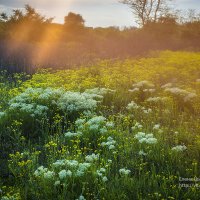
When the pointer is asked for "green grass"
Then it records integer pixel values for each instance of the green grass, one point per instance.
(143, 145)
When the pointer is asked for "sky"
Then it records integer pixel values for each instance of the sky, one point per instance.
(97, 13)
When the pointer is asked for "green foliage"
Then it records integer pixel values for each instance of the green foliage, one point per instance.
(139, 139)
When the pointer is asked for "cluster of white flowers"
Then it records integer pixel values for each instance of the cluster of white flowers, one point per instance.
(144, 86)
(135, 106)
(142, 153)
(187, 96)
(179, 148)
(156, 99)
(101, 173)
(124, 172)
(91, 158)
(137, 126)
(132, 106)
(97, 124)
(62, 169)
(145, 138)
(76, 102)
(167, 85)
(41, 170)
(156, 127)
(134, 90)
(37, 101)
(110, 143)
(81, 197)
(64, 173)
(146, 111)
(70, 134)
(49, 175)
(149, 90)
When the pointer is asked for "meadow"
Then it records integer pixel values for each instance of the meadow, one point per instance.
(118, 129)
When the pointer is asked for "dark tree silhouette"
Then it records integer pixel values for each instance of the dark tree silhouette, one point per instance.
(147, 10)
(74, 22)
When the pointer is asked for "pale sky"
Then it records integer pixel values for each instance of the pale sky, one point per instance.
(95, 12)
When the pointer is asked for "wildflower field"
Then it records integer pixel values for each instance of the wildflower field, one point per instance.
(114, 130)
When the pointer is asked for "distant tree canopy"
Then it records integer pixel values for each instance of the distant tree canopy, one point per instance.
(29, 15)
(74, 22)
(28, 38)
(24, 25)
(147, 10)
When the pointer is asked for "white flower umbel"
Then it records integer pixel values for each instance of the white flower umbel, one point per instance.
(142, 153)
(110, 144)
(132, 106)
(70, 134)
(91, 158)
(145, 138)
(124, 172)
(179, 148)
(187, 96)
(62, 174)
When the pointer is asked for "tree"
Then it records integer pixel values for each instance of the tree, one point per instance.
(30, 15)
(74, 22)
(147, 10)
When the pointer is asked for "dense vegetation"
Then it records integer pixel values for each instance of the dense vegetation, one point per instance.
(29, 40)
(114, 130)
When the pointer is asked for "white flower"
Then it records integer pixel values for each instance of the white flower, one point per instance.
(168, 85)
(109, 144)
(59, 163)
(179, 148)
(134, 90)
(57, 183)
(145, 138)
(69, 173)
(62, 174)
(79, 173)
(140, 135)
(190, 96)
(41, 170)
(103, 130)
(187, 96)
(80, 122)
(70, 134)
(102, 170)
(84, 166)
(91, 158)
(72, 163)
(81, 197)
(104, 179)
(156, 99)
(124, 171)
(142, 153)
(151, 141)
(110, 124)
(132, 106)
(49, 175)
(111, 147)
(156, 126)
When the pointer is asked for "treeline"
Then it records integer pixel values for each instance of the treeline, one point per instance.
(29, 40)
